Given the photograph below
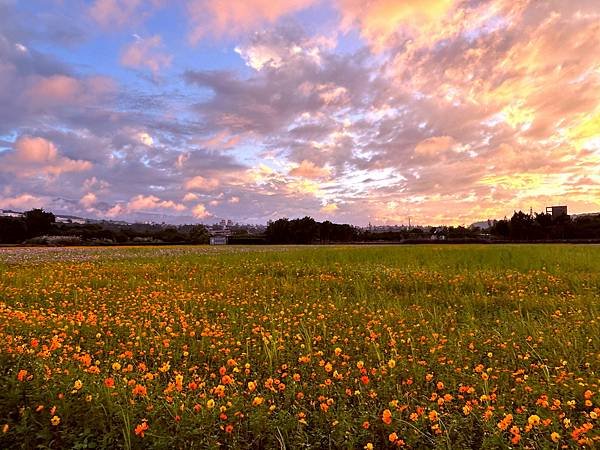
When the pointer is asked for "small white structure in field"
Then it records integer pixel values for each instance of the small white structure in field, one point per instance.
(218, 240)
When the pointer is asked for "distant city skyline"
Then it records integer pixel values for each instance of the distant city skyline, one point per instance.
(445, 111)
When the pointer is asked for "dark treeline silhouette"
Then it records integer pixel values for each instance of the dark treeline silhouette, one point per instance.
(308, 231)
(40, 227)
(543, 227)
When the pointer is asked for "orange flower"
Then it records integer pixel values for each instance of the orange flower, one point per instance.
(22, 375)
(393, 437)
(109, 383)
(139, 390)
(228, 428)
(387, 417)
(141, 428)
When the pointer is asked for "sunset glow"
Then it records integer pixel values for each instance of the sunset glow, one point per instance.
(447, 111)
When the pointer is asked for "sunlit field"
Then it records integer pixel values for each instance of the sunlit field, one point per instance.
(300, 347)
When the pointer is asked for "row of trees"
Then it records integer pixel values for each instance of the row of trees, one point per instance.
(541, 226)
(308, 231)
(39, 226)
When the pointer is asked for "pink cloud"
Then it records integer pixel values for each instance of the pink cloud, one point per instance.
(21, 202)
(64, 90)
(146, 53)
(38, 156)
(119, 13)
(190, 197)
(151, 202)
(227, 17)
(199, 183)
(88, 200)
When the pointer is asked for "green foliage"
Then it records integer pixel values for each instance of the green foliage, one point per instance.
(449, 339)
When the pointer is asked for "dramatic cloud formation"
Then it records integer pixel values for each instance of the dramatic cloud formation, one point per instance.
(447, 111)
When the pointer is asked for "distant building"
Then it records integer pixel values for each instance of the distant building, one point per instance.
(218, 240)
(556, 211)
(9, 213)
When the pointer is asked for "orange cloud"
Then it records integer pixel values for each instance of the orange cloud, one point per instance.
(227, 17)
(308, 169)
(200, 212)
(379, 20)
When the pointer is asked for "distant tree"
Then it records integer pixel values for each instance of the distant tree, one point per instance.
(199, 235)
(521, 226)
(12, 230)
(501, 228)
(279, 232)
(38, 222)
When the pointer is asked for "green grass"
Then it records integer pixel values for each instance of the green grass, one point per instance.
(450, 339)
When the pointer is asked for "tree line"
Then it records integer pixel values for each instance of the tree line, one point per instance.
(542, 226)
(40, 227)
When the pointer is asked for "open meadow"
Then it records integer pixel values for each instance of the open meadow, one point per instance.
(434, 346)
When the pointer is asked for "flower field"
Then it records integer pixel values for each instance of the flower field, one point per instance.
(300, 347)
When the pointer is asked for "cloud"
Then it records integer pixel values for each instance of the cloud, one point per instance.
(190, 197)
(21, 202)
(199, 183)
(379, 20)
(221, 18)
(88, 200)
(308, 169)
(119, 13)
(151, 202)
(443, 111)
(35, 156)
(200, 212)
(146, 53)
(329, 208)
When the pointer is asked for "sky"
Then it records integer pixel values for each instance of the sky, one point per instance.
(354, 111)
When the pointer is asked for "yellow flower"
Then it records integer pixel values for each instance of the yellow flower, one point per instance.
(55, 420)
(257, 401)
(392, 363)
(555, 437)
(78, 385)
(337, 351)
(251, 386)
(534, 420)
(116, 366)
(210, 404)
(369, 446)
